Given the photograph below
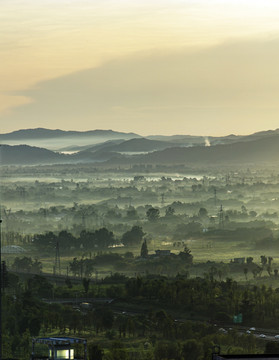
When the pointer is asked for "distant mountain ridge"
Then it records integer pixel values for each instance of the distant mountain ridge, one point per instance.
(256, 148)
(42, 133)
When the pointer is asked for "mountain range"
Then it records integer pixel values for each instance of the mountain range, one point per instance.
(41, 133)
(58, 146)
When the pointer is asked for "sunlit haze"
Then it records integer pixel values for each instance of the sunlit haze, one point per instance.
(150, 67)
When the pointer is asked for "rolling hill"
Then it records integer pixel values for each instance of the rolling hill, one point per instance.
(264, 149)
(133, 145)
(24, 154)
(254, 149)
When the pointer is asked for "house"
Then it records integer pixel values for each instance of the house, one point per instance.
(162, 252)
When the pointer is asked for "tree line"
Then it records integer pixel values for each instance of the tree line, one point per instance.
(87, 240)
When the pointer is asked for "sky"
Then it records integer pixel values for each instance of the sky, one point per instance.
(199, 67)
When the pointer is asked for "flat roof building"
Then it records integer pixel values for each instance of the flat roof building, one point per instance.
(59, 348)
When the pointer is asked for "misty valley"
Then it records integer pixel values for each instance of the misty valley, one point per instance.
(154, 259)
(139, 180)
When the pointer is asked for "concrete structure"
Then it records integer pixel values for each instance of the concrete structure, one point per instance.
(60, 348)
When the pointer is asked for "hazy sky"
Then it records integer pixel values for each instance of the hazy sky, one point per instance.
(203, 67)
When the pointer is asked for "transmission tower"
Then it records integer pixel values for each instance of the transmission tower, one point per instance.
(215, 198)
(221, 217)
(83, 213)
(57, 259)
(227, 179)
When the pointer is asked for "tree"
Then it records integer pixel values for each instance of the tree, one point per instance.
(66, 240)
(40, 286)
(245, 270)
(87, 267)
(100, 238)
(4, 275)
(186, 255)
(269, 270)
(95, 352)
(253, 213)
(192, 228)
(212, 272)
(202, 213)
(263, 260)
(68, 283)
(45, 241)
(22, 264)
(243, 210)
(118, 351)
(34, 326)
(133, 236)
(104, 237)
(86, 239)
(103, 319)
(167, 350)
(85, 283)
(170, 211)
(257, 271)
(82, 267)
(153, 214)
(144, 249)
(194, 187)
(132, 213)
(36, 266)
(249, 260)
(75, 266)
(192, 349)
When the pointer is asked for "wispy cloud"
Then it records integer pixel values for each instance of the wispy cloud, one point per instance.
(227, 88)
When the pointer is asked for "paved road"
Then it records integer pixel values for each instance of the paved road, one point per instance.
(258, 333)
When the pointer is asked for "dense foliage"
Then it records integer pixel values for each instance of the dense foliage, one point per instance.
(156, 328)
